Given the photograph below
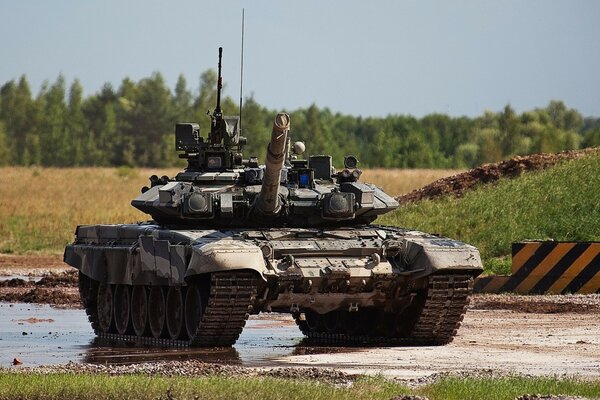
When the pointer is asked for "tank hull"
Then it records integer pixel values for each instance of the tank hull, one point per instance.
(167, 286)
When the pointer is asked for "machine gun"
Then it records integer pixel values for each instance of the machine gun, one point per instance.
(223, 148)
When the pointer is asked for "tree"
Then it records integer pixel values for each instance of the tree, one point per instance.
(53, 137)
(134, 126)
(489, 146)
(182, 101)
(206, 100)
(509, 131)
(150, 118)
(18, 112)
(5, 157)
(256, 128)
(102, 143)
(76, 125)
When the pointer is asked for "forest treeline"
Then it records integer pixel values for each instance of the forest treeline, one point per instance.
(134, 125)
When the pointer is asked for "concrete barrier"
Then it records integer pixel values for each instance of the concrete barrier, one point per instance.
(540, 267)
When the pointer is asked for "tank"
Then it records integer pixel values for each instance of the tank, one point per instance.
(230, 237)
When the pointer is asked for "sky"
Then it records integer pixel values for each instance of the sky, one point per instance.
(368, 58)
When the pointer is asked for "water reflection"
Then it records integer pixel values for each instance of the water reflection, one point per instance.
(41, 335)
(103, 351)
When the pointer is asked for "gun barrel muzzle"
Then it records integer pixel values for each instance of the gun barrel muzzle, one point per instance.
(268, 199)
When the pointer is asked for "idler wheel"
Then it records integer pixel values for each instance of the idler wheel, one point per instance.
(175, 312)
(139, 310)
(156, 311)
(104, 307)
(122, 308)
(193, 310)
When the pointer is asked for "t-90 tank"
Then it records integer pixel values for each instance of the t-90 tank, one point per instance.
(229, 237)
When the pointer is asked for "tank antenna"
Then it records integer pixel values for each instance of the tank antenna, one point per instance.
(218, 110)
(242, 70)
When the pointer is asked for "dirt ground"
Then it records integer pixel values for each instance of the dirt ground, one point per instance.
(501, 334)
(38, 279)
(498, 336)
(31, 264)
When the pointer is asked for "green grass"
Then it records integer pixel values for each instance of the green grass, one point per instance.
(561, 203)
(85, 386)
(67, 387)
(508, 388)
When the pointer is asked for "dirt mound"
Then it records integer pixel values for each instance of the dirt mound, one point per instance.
(67, 297)
(16, 282)
(51, 280)
(63, 279)
(458, 184)
(56, 288)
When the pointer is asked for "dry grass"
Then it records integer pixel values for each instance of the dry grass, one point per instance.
(401, 181)
(40, 207)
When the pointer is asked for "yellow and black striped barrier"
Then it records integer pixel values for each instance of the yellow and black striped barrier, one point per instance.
(549, 267)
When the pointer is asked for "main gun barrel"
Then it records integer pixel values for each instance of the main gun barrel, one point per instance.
(268, 199)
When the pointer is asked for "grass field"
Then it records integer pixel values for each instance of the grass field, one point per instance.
(561, 203)
(68, 387)
(40, 207)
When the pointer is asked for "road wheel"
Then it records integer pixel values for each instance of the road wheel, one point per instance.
(193, 310)
(104, 307)
(122, 309)
(139, 310)
(175, 312)
(156, 311)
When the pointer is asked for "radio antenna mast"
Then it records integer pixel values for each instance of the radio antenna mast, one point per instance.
(242, 70)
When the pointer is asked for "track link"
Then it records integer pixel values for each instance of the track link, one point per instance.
(438, 319)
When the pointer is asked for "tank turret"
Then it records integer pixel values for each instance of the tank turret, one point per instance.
(221, 188)
(267, 202)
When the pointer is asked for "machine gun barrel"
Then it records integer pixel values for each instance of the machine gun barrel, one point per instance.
(268, 199)
(216, 130)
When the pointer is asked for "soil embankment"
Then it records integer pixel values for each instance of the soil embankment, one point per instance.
(458, 184)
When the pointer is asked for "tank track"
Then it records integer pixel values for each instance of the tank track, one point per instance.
(439, 318)
(229, 304)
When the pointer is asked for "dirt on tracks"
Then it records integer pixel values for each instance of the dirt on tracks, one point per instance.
(458, 184)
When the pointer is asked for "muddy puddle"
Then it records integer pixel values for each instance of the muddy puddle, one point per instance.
(44, 335)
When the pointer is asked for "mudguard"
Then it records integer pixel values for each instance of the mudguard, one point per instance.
(225, 255)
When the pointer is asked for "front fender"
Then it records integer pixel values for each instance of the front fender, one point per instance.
(225, 255)
(429, 255)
